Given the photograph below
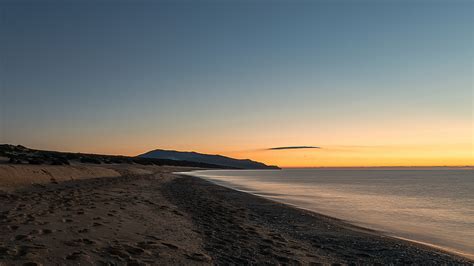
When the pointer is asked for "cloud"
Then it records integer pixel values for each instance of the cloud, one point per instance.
(293, 148)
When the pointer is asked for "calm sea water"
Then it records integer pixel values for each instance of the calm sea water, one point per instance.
(431, 206)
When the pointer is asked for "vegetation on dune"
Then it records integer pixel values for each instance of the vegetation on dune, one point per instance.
(18, 154)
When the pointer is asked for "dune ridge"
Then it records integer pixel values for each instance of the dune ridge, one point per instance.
(13, 176)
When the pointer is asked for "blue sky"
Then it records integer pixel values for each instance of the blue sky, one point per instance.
(74, 72)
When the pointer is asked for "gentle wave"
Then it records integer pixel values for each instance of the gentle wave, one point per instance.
(429, 206)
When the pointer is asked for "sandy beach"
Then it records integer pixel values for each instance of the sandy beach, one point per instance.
(147, 215)
(324, 132)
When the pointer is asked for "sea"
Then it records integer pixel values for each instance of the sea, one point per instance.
(434, 206)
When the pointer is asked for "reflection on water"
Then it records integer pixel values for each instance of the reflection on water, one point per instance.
(431, 206)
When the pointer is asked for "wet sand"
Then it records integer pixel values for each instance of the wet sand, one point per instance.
(241, 228)
(140, 218)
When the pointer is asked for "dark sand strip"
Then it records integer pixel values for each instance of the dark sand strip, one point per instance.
(240, 228)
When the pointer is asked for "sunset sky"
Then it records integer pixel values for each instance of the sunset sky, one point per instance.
(372, 83)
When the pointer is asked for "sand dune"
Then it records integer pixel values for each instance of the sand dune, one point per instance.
(12, 176)
(119, 220)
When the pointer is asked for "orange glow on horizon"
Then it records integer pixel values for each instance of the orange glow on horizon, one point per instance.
(359, 156)
(349, 156)
(400, 142)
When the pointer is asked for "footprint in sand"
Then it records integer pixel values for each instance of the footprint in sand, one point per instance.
(199, 257)
(171, 246)
(148, 244)
(31, 263)
(22, 237)
(41, 232)
(87, 241)
(13, 227)
(116, 251)
(4, 251)
(134, 250)
(152, 237)
(177, 213)
(46, 231)
(75, 255)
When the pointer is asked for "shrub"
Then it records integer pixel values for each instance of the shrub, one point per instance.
(90, 160)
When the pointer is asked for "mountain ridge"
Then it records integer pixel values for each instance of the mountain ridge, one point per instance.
(206, 158)
(18, 154)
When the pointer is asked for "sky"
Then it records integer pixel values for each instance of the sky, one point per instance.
(371, 83)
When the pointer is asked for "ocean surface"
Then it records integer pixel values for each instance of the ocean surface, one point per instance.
(432, 206)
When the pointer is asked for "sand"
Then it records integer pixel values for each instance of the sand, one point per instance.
(14, 176)
(147, 215)
(97, 220)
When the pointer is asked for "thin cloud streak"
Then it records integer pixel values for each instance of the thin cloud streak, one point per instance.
(293, 148)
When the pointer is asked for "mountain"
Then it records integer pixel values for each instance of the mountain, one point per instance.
(17, 154)
(206, 158)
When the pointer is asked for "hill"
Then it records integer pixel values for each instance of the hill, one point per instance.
(17, 154)
(206, 158)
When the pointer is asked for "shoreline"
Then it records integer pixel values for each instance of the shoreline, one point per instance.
(153, 216)
(351, 223)
(376, 246)
(440, 248)
(359, 227)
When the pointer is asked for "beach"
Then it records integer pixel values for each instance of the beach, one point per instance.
(147, 215)
(431, 205)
